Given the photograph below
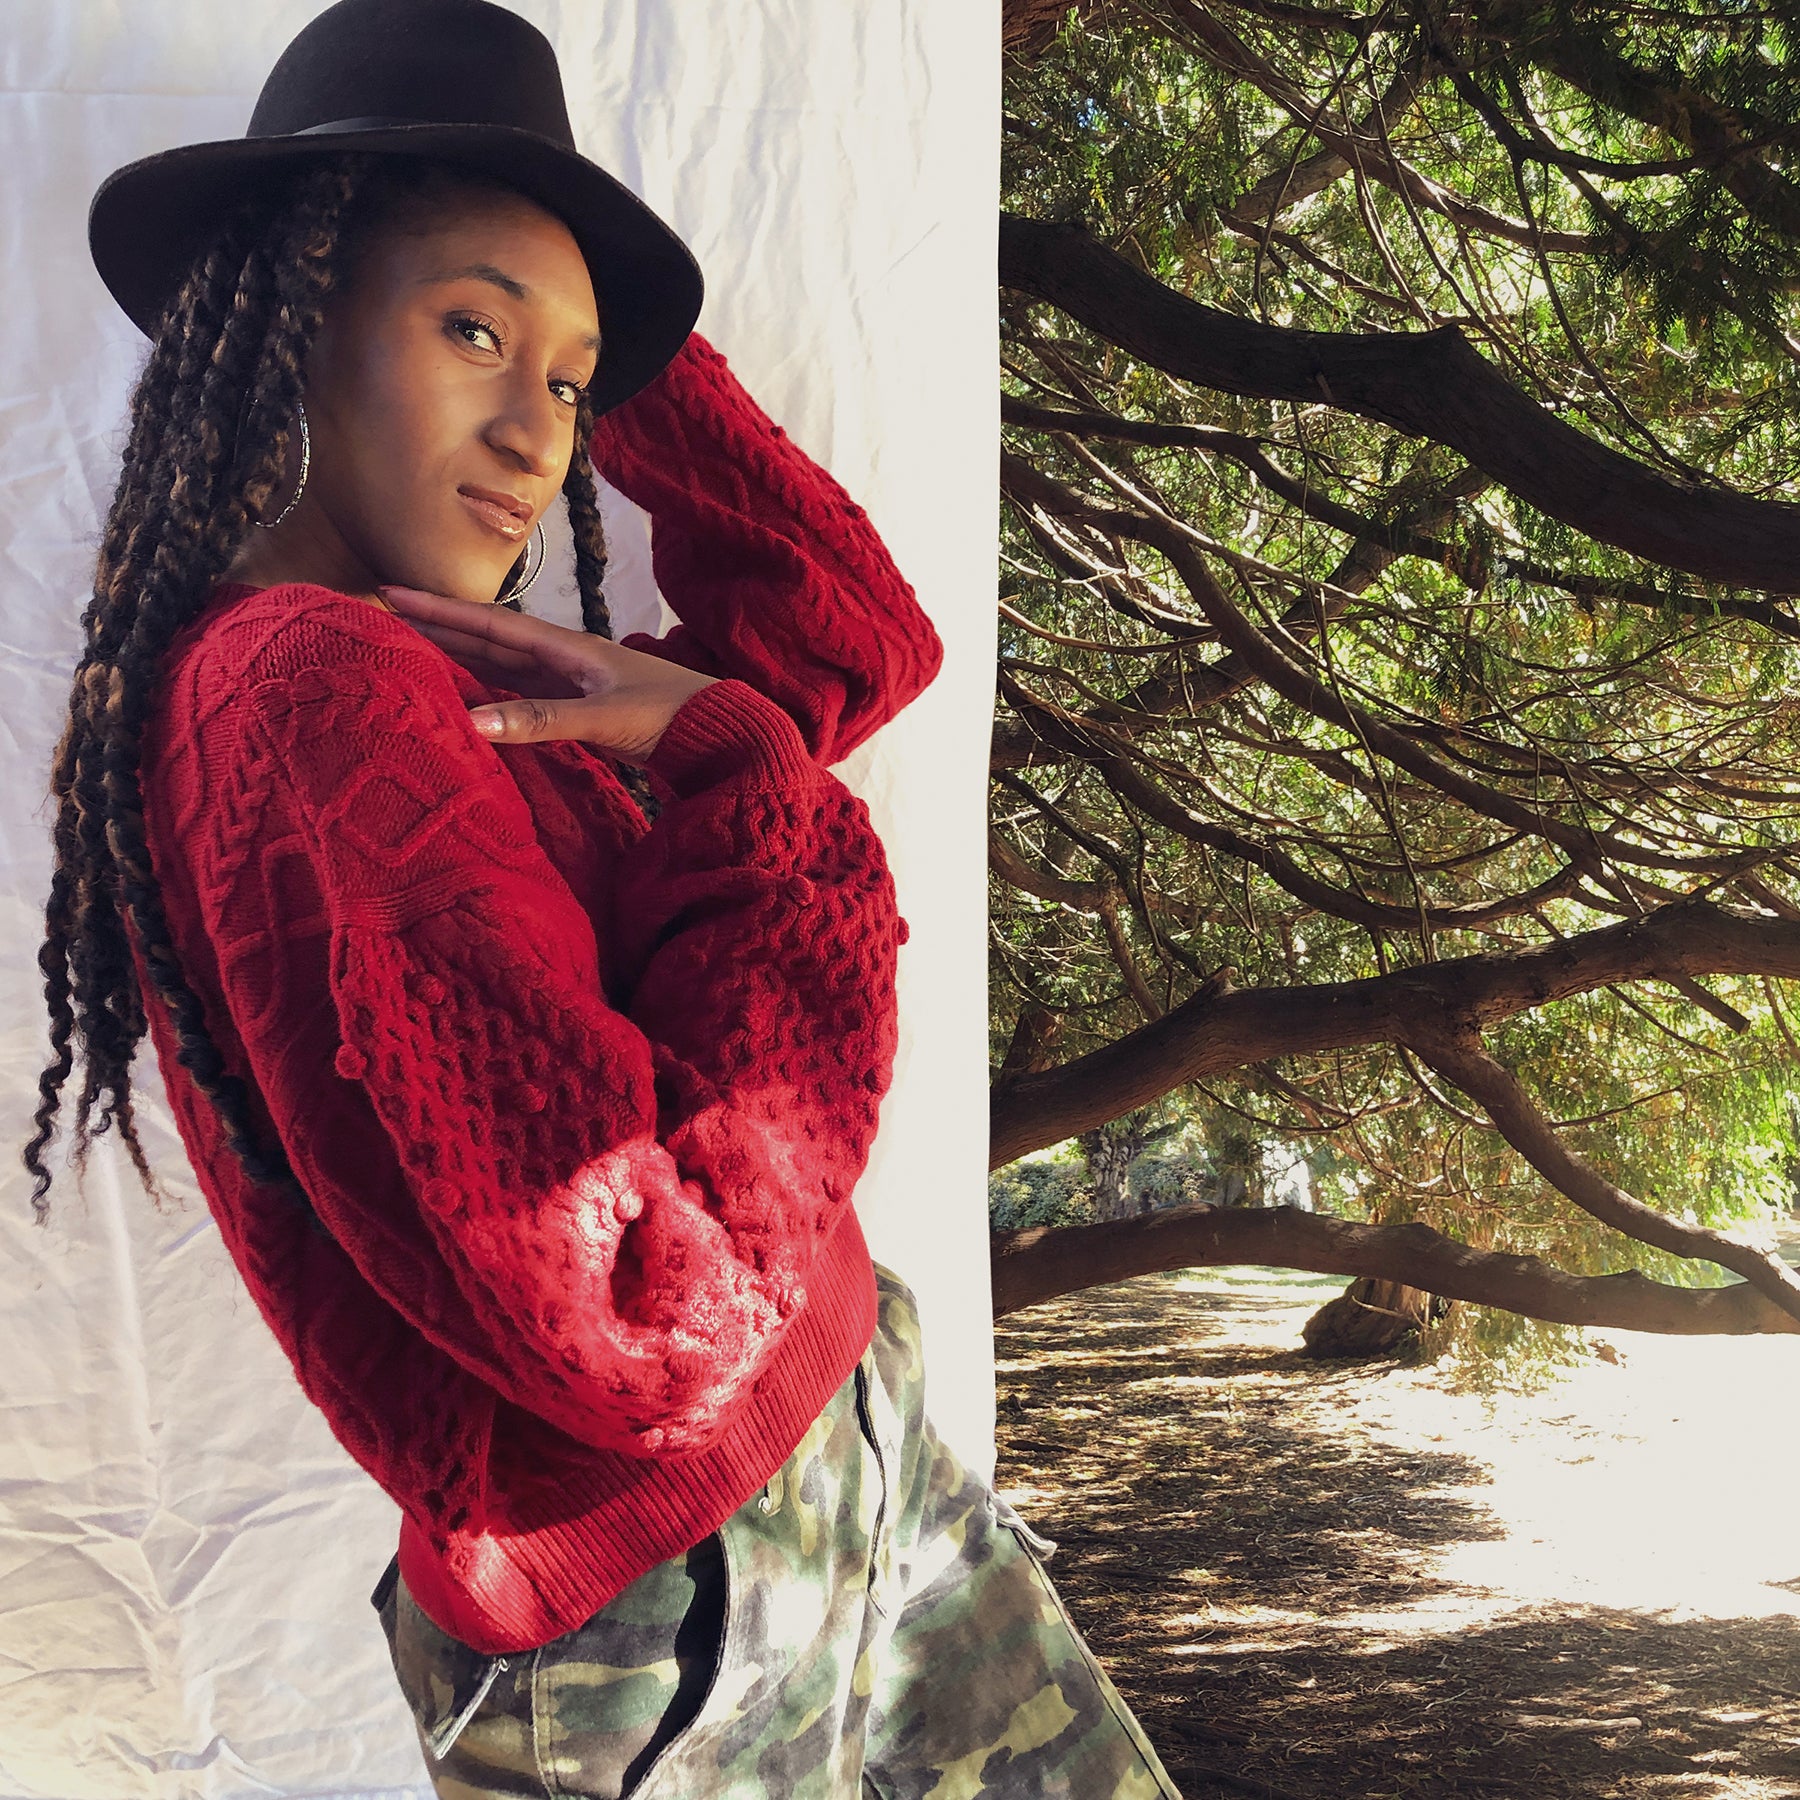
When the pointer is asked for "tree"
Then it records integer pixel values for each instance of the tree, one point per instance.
(1111, 1149)
(1399, 662)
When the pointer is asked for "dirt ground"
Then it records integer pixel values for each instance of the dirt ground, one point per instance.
(1349, 1580)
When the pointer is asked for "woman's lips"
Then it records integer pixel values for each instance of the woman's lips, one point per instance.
(495, 516)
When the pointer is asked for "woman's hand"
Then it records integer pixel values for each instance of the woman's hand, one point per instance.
(577, 685)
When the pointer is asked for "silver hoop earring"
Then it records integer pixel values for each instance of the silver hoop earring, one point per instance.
(512, 593)
(305, 464)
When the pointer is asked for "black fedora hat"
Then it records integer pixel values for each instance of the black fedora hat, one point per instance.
(462, 81)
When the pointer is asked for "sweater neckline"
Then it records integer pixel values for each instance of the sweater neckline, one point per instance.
(225, 592)
(228, 593)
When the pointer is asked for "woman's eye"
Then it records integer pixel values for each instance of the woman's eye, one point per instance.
(461, 324)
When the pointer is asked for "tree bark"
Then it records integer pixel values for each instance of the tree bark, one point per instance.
(1431, 384)
(1028, 27)
(1045, 1262)
(1368, 1318)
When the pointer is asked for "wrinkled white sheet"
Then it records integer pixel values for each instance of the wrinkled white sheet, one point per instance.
(185, 1552)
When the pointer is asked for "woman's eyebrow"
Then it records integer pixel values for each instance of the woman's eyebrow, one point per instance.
(483, 271)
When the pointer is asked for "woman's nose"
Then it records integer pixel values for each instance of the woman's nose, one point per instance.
(532, 426)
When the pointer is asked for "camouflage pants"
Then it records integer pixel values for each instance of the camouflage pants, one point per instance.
(877, 1622)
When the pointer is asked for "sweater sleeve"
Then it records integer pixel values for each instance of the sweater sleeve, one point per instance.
(629, 1189)
(776, 574)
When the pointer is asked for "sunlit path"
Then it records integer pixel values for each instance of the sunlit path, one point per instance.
(1348, 1580)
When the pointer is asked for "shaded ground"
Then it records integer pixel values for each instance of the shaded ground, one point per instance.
(1319, 1580)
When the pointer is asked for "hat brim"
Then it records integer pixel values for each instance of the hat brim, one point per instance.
(149, 220)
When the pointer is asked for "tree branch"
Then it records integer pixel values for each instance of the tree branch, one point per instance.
(1018, 743)
(1040, 1264)
(1356, 147)
(1135, 790)
(1464, 1059)
(1428, 384)
(1270, 663)
(1016, 872)
(1208, 1034)
(1298, 181)
(1399, 536)
(1715, 133)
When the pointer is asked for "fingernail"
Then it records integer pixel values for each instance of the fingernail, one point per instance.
(489, 724)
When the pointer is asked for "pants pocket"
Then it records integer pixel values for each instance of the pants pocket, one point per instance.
(872, 1409)
(443, 1679)
(615, 1699)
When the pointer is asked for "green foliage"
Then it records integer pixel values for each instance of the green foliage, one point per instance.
(1037, 1192)
(1649, 149)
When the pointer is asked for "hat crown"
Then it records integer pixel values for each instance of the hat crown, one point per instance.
(458, 81)
(461, 62)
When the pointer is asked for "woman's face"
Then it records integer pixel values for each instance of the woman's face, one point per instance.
(446, 370)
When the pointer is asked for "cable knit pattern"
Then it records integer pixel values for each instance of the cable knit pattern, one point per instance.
(583, 1100)
(831, 655)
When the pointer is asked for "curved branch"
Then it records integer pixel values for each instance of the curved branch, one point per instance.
(1464, 1059)
(1270, 663)
(1719, 136)
(1141, 900)
(1135, 790)
(1209, 1033)
(1032, 1266)
(1016, 872)
(1298, 181)
(1431, 384)
(1017, 743)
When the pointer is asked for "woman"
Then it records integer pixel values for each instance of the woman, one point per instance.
(532, 1122)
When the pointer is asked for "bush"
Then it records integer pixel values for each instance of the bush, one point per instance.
(1037, 1193)
(1179, 1179)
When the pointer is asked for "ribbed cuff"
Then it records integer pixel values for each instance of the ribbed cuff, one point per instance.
(729, 729)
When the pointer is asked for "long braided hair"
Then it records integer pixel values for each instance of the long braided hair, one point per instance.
(209, 418)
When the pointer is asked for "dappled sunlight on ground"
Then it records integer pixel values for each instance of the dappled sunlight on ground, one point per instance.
(1345, 1579)
(1668, 1482)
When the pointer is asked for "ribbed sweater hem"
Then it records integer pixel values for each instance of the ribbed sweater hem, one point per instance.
(525, 1581)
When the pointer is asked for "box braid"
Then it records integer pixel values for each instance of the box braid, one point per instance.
(209, 417)
(590, 570)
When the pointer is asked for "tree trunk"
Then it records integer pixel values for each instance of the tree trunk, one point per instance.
(1233, 1189)
(1368, 1318)
(1111, 1149)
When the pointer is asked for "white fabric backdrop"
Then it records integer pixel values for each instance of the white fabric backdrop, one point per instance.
(185, 1552)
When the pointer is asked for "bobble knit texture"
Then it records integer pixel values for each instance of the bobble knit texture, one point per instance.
(582, 1099)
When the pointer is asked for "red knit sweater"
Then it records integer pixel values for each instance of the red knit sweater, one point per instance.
(582, 1099)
